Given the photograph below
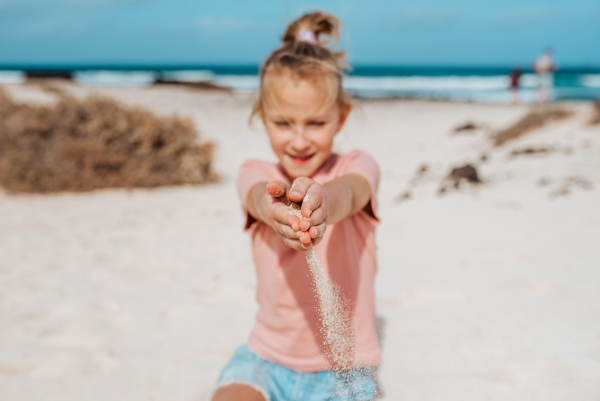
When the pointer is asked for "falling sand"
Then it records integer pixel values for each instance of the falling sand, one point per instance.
(335, 319)
(336, 324)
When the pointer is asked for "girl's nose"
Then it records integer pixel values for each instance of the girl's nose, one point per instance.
(300, 141)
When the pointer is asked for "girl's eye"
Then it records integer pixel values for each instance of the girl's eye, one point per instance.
(317, 123)
(282, 123)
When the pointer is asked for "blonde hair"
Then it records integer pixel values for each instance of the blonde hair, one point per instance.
(304, 59)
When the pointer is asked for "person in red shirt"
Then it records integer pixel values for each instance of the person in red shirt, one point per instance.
(515, 77)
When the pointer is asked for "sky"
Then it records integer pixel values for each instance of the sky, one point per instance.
(427, 32)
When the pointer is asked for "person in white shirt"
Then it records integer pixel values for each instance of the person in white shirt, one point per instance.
(544, 67)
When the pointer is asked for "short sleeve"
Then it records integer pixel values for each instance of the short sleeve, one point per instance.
(364, 165)
(251, 173)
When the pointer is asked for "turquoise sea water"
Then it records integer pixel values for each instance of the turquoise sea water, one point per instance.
(479, 84)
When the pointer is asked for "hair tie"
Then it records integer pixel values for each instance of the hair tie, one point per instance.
(306, 35)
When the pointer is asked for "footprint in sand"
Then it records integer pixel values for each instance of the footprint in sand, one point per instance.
(19, 368)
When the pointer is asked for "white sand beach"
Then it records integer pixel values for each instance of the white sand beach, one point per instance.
(489, 292)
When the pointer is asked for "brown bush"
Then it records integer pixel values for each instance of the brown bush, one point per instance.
(533, 120)
(96, 143)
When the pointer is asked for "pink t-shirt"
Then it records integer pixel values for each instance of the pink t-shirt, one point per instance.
(287, 327)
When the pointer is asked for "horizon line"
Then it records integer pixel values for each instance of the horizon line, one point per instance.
(254, 66)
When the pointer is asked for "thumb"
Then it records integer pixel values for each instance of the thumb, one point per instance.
(277, 189)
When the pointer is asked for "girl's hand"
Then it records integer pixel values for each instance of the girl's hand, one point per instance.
(297, 233)
(285, 224)
(314, 210)
(331, 203)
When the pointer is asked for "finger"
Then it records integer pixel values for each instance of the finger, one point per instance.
(295, 244)
(277, 189)
(285, 231)
(283, 215)
(294, 222)
(317, 231)
(312, 200)
(305, 224)
(299, 188)
(317, 217)
(304, 237)
(289, 220)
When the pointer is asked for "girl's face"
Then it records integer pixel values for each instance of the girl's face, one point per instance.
(301, 131)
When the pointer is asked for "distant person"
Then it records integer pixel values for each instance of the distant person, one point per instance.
(544, 67)
(515, 77)
(302, 104)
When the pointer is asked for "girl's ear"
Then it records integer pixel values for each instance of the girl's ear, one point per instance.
(344, 113)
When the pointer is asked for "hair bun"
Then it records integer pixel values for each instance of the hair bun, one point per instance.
(320, 23)
(304, 53)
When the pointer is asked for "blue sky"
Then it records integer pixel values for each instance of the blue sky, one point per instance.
(427, 32)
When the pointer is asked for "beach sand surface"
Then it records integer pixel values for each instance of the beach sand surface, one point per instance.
(486, 292)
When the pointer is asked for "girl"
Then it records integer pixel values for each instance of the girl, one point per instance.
(303, 106)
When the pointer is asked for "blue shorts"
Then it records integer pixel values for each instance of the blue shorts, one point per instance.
(278, 383)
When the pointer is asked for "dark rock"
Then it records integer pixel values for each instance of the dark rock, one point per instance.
(200, 85)
(49, 74)
(466, 172)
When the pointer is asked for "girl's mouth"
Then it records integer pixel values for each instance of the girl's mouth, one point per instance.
(300, 160)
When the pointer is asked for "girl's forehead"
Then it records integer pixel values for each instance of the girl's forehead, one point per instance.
(287, 85)
(288, 95)
(299, 109)
(298, 116)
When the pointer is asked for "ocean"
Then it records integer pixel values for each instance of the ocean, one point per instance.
(477, 84)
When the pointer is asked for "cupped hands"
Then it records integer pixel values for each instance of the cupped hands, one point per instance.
(297, 233)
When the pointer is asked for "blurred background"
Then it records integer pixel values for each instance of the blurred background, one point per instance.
(463, 50)
(124, 270)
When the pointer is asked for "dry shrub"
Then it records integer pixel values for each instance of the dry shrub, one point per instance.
(96, 143)
(596, 113)
(533, 120)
